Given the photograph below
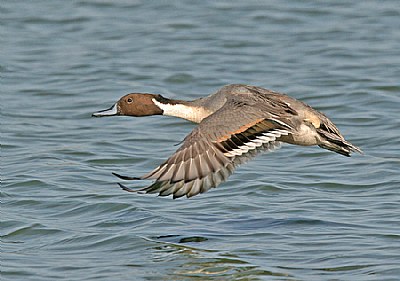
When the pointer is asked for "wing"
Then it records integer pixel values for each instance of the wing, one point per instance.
(232, 135)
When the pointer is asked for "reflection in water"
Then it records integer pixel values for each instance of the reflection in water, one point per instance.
(203, 264)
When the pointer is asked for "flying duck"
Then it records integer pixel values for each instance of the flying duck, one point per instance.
(234, 124)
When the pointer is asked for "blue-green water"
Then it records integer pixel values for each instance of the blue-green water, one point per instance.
(296, 214)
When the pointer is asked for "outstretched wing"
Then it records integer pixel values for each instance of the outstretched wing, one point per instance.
(209, 154)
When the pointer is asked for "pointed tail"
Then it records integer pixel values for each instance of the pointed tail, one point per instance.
(337, 143)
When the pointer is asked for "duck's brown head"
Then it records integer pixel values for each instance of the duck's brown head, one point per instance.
(134, 104)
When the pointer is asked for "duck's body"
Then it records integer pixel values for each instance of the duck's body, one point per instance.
(235, 124)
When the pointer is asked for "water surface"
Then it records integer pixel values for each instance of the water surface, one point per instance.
(296, 214)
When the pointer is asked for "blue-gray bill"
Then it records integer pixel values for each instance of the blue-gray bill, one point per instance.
(113, 110)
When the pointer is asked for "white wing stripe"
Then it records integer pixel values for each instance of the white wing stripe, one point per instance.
(268, 137)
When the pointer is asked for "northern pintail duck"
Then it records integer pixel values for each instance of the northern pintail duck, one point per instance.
(235, 124)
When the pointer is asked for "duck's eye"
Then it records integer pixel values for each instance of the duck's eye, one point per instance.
(130, 100)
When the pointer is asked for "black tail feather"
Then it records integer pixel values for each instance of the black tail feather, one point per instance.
(337, 143)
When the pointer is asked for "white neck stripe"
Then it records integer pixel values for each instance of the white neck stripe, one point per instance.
(191, 113)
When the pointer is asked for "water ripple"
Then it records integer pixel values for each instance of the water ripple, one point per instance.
(300, 213)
